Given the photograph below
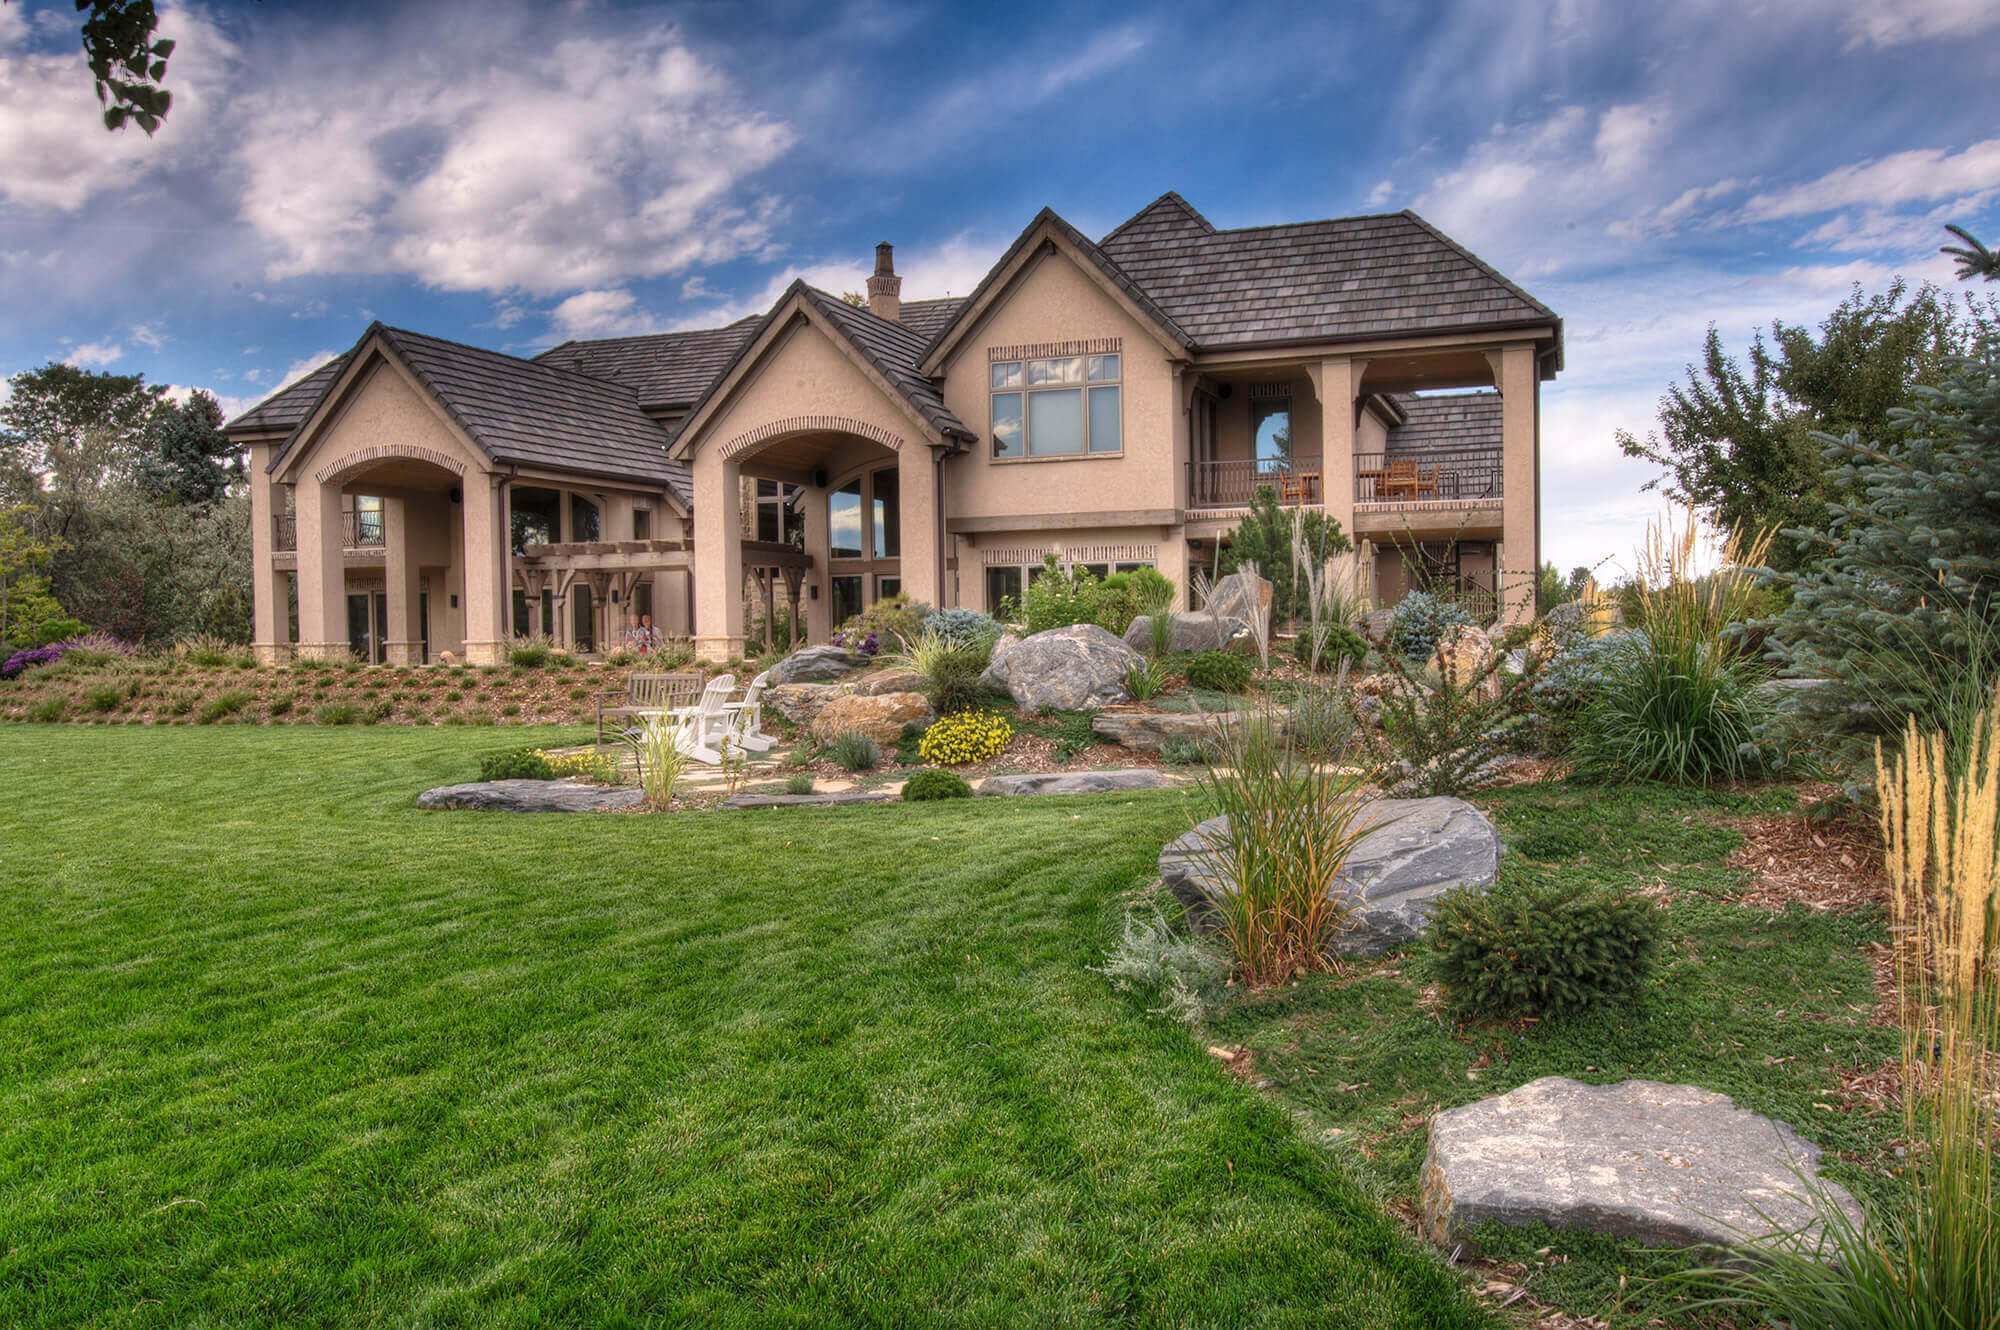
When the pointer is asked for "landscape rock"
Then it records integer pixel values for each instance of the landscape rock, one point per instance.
(814, 664)
(1193, 631)
(1462, 654)
(1662, 1165)
(1076, 782)
(531, 796)
(1077, 668)
(1149, 731)
(991, 677)
(880, 718)
(1415, 851)
(1243, 596)
(800, 702)
(815, 800)
(891, 681)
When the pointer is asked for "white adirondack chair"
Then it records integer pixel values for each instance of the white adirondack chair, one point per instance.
(746, 718)
(704, 725)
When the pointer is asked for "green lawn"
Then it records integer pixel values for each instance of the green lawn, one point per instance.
(280, 1049)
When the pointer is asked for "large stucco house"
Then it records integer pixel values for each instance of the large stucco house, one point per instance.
(1117, 400)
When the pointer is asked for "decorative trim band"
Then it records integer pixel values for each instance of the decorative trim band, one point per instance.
(1263, 391)
(1033, 555)
(748, 442)
(355, 461)
(1094, 346)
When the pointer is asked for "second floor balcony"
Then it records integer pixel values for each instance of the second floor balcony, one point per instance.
(1433, 476)
(360, 530)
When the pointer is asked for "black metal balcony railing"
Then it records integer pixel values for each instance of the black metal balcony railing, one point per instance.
(1431, 476)
(1234, 484)
(359, 530)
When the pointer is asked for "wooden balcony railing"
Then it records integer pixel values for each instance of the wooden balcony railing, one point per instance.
(1431, 476)
(359, 530)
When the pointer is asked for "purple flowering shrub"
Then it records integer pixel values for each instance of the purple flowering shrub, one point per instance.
(858, 642)
(22, 661)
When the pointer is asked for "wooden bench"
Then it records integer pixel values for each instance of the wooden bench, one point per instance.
(646, 694)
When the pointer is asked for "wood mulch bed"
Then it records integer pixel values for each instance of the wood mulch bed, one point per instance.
(1835, 866)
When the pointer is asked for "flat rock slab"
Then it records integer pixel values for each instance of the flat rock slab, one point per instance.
(1415, 851)
(1150, 731)
(1076, 782)
(819, 800)
(532, 796)
(1663, 1165)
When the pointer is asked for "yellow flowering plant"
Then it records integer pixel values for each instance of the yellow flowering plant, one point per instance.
(592, 767)
(965, 736)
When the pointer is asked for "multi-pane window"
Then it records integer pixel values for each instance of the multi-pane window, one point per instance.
(777, 520)
(1061, 406)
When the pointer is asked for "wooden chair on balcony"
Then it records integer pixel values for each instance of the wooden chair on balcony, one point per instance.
(1427, 482)
(1298, 486)
(1399, 478)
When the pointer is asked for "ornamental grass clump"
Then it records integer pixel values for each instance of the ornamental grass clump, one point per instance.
(854, 751)
(1930, 1255)
(1287, 828)
(965, 736)
(660, 761)
(951, 664)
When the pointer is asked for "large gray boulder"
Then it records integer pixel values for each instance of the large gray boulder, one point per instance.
(1662, 1165)
(531, 796)
(814, 664)
(1192, 631)
(1077, 668)
(1244, 596)
(1415, 851)
(1075, 782)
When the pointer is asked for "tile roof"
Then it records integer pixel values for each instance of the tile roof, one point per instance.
(1346, 278)
(284, 409)
(664, 369)
(1447, 421)
(925, 317)
(535, 414)
(895, 350)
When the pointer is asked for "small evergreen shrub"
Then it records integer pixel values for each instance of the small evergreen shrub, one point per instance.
(516, 764)
(933, 784)
(855, 751)
(1220, 671)
(964, 626)
(965, 736)
(1539, 951)
(1182, 752)
(1337, 642)
(799, 782)
(337, 713)
(1419, 620)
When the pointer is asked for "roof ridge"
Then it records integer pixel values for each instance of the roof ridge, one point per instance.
(1483, 266)
(533, 361)
(1171, 197)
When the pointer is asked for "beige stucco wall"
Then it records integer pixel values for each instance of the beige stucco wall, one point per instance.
(1053, 301)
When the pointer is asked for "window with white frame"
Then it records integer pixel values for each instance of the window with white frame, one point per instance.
(1059, 406)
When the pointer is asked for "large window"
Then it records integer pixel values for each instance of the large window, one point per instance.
(1064, 406)
(1002, 584)
(537, 516)
(1271, 421)
(846, 598)
(778, 522)
(888, 515)
(844, 521)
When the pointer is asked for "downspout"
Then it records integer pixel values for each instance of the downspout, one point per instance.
(507, 552)
(937, 502)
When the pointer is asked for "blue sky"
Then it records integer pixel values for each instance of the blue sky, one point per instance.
(514, 174)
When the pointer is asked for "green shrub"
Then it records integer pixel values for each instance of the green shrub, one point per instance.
(894, 623)
(1222, 671)
(1536, 951)
(529, 655)
(46, 709)
(855, 751)
(952, 665)
(378, 712)
(516, 764)
(1182, 751)
(103, 699)
(1146, 678)
(1337, 642)
(220, 706)
(964, 626)
(1419, 620)
(933, 784)
(799, 782)
(337, 713)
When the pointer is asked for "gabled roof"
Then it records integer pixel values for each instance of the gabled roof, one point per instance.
(890, 348)
(1346, 278)
(962, 317)
(925, 317)
(1447, 420)
(284, 409)
(664, 369)
(528, 413)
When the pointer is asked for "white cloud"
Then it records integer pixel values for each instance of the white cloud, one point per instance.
(606, 153)
(148, 335)
(92, 354)
(1900, 22)
(301, 367)
(1917, 176)
(1382, 193)
(950, 269)
(601, 314)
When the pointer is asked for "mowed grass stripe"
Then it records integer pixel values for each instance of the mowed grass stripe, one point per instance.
(281, 1049)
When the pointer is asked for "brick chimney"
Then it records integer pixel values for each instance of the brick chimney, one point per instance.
(885, 289)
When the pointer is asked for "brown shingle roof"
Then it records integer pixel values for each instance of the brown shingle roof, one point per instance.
(284, 409)
(1349, 277)
(894, 349)
(1447, 421)
(664, 369)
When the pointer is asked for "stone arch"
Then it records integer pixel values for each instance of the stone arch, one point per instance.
(750, 440)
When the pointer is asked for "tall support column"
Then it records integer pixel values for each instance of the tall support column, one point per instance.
(322, 572)
(1519, 558)
(403, 581)
(485, 531)
(1338, 382)
(718, 553)
(917, 499)
(819, 544)
(1173, 563)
